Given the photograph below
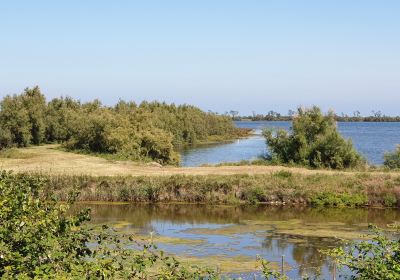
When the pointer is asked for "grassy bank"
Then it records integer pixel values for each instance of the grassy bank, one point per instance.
(99, 179)
(282, 187)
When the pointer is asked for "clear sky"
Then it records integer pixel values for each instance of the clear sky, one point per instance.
(220, 55)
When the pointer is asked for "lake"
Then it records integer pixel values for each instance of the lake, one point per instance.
(371, 139)
(230, 237)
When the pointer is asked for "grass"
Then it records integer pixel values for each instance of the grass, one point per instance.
(49, 159)
(276, 188)
(15, 153)
(99, 179)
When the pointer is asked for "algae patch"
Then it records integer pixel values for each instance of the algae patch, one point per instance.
(292, 227)
(224, 264)
(177, 241)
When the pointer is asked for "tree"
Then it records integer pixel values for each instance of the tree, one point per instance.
(5, 138)
(35, 104)
(314, 141)
(157, 145)
(14, 121)
(291, 113)
(234, 114)
(22, 117)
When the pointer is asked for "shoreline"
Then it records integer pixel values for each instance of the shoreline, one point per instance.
(280, 188)
(102, 180)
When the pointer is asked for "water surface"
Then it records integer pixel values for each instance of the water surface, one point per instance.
(371, 139)
(230, 237)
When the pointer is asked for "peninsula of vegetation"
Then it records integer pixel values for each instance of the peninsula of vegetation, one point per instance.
(146, 132)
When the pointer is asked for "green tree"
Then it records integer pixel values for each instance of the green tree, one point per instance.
(14, 121)
(314, 141)
(157, 145)
(59, 115)
(5, 138)
(35, 104)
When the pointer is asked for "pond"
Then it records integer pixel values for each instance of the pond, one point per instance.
(230, 237)
(371, 139)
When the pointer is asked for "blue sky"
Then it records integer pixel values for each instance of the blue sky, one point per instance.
(218, 54)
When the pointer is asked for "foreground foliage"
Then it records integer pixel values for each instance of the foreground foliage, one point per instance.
(39, 240)
(376, 259)
(149, 131)
(314, 141)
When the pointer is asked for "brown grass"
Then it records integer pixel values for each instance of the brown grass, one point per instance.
(48, 159)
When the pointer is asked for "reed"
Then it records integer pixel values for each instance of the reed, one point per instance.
(277, 188)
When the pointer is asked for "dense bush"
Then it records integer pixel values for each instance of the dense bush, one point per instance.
(150, 131)
(392, 160)
(314, 141)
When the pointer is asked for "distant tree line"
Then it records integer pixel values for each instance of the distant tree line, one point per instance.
(376, 116)
(148, 131)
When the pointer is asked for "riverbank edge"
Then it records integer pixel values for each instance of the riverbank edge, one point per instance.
(277, 188)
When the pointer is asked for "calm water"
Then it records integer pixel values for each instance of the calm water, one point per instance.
(372, 140)
(230, 237)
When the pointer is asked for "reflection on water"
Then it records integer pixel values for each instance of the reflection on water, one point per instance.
(241, 149)
(372, 140)
(215, 234)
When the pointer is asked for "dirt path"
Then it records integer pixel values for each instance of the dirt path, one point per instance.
(48, 159)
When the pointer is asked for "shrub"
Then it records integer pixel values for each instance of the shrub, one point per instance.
(392, 160)
(339, 199)
(255, 194)
(37, 238)
(378, 258)
(314, 141)
(389, 199)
